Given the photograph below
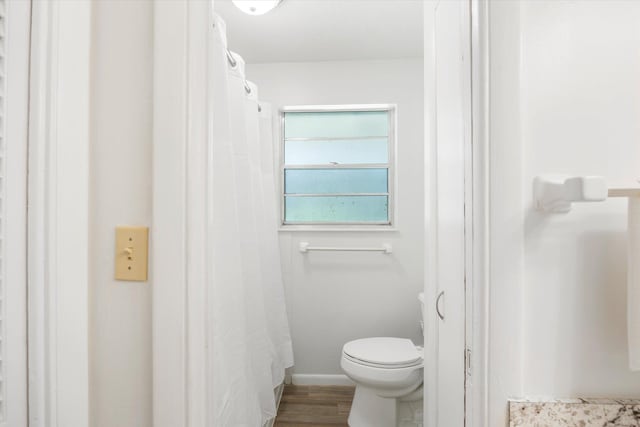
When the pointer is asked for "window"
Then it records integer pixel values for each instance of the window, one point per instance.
(337, 165)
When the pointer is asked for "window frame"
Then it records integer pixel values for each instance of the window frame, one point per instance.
(389, 225)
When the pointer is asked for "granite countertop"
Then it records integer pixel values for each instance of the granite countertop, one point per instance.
(575, 413)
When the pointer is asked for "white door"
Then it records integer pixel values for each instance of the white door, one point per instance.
(14, 80)
(453, 132)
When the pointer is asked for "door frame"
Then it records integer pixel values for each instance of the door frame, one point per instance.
(178, 316)
(476, 199)
(430, 409)
(178, 265)
(58, 214)
(479, 285)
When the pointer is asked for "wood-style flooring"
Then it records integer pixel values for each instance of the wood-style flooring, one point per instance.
(314, 406)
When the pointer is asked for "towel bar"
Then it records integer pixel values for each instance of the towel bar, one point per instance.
(304, 248)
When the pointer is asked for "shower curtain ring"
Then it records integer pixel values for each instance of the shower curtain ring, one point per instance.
(231, 59)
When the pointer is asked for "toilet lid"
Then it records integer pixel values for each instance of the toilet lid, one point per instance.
(383, 351)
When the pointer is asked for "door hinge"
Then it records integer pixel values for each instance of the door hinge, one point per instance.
(467, 361)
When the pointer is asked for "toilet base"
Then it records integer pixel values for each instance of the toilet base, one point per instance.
(370, 410)
(409, 414)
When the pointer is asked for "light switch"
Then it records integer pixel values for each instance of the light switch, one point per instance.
(132, 250)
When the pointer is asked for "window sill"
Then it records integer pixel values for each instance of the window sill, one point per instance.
(338, 228)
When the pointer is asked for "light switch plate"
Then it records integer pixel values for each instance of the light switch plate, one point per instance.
(132, 253)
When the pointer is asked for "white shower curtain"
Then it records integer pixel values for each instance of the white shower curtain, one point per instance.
(249, 341)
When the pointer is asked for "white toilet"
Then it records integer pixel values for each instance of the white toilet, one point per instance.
(388, 373)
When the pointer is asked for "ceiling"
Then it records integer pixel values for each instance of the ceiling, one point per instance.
(326, 30)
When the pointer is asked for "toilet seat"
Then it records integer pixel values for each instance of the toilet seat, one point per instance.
(383, 352)
(386, 380)
(380, 365)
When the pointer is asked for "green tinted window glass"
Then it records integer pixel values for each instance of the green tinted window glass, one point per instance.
(350, 151)
(340, 209)
(331, 181)
(336, 124)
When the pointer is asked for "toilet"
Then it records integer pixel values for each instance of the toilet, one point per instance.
(388, 373)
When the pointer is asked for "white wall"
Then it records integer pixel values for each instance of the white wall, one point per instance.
(336, 297)
(581, 110)
(571, 106)
(120, 187)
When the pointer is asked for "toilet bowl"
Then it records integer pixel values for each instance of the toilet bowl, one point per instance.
(386, 371)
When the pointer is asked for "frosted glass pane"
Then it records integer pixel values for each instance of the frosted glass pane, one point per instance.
(343, 209)
(327, 181)
(336, 124)
(340, 151)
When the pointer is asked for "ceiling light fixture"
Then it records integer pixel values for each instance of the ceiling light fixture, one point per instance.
(256, 7)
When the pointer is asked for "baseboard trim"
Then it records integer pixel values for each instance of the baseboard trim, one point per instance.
(317, 379)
